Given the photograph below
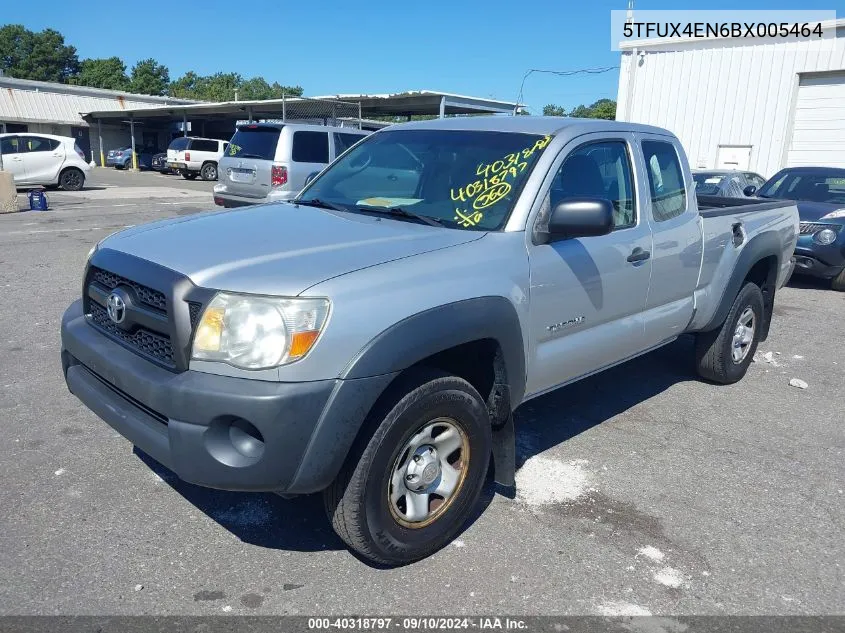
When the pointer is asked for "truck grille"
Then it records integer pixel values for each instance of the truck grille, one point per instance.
(150, 297)
(151, 344)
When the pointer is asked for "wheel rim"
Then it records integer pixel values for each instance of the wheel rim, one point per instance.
(71, 180)
(743, 335)
(428, 473)
(209, 173)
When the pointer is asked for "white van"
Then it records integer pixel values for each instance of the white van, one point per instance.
(44, 159)
(192, 156)
(266, 162)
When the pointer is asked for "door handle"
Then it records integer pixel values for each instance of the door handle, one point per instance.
(638, 255)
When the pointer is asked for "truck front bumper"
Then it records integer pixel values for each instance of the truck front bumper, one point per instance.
(217, 431)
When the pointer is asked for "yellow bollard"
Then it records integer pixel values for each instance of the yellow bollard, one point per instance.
(135, 161)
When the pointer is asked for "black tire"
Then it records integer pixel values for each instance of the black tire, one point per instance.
(189, 175)
(357, 502)
(838, 282)
(119, 166)
(72, 179)
(209, 171)
(714, 349)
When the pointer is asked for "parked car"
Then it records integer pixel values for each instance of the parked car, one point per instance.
(820, 195)
(267, 162)
(192, 156)
(160, 163)
(371, 338)
(44, 159)
(121, 158)
(725, 182)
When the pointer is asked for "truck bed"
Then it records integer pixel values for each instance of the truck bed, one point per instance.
(714, 206)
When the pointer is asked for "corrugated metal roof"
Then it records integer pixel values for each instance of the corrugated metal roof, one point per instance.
(38, 101)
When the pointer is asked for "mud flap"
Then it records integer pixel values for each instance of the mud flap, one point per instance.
(504, 457)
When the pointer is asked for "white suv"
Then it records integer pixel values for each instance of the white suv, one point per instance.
(44, 159)
(193, 157)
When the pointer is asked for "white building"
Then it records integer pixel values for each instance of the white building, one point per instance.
(53, 108)
(738, 104)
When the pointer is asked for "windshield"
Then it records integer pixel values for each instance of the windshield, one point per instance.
(707, 183)
(254, 141)
(827, 186)
(464, 179)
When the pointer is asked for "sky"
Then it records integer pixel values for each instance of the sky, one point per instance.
(466, 47)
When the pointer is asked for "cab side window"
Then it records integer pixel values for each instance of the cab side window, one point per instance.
(665, 179)
(598, 170)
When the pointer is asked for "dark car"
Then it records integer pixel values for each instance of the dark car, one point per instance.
(723, 182)
(160, 163)
(820, 195)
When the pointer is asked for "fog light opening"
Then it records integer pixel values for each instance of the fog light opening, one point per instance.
(246, 439)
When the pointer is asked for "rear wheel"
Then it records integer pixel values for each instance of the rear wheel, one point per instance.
(407, 490)
(724, 354)
(209, 171)
(838, 282)
(71, 179)
(189, 175)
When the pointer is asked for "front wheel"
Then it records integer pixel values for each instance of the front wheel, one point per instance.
(408, 489)
(838, 282)
(724, 354)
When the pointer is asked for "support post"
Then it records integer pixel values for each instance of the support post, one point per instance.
(442, 107)
(360, 118)
(284, 108)
(184, 124)
(249, 113)
(132, 134)
(100, 137)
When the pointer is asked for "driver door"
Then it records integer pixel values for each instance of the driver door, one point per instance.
(588, 294)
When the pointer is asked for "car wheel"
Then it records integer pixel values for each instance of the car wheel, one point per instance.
(407, 489)
(724, 354)
(209, 171)
(189, 175)
(838, 282)
(71, 179)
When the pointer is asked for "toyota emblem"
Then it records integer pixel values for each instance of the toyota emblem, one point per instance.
(116, 308)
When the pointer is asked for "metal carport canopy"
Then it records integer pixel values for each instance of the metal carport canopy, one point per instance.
(399, 104)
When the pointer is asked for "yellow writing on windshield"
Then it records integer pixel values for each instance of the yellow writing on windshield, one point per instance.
(493, 185)
(467, 219)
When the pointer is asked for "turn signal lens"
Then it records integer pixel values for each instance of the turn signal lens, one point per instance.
(301, 342)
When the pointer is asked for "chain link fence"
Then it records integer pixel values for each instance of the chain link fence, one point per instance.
(312, 111)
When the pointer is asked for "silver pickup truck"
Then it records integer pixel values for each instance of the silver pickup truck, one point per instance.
(372, 338)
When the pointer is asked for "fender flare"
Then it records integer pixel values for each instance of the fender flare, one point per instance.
(426, 333)
(758, 248)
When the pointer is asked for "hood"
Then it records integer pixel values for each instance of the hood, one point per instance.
(278, 249)
(813, 211)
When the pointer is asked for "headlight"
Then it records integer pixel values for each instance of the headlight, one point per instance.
(825, 237)
(253, 332)
(839, 213)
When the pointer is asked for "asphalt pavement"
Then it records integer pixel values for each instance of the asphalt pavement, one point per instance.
(641, 490)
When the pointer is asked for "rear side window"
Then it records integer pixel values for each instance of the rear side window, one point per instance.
(665, 179)
(343, 142)
(38, 144)
(310, 147)
(179, 143)
(200, 145)
(254, 142)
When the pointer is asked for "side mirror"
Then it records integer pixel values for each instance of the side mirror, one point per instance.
(750, 190)
(311, 177)
(581, 217)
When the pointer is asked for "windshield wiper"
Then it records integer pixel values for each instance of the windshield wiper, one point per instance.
(320, 204)
(249, 156)
(404, 213)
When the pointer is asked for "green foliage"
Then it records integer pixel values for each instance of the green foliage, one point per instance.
(107, 73)
(601, 109)
(222, 86)
(149, 78)
(41, 56)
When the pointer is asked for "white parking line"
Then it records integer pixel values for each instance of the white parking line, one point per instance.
(89, 228)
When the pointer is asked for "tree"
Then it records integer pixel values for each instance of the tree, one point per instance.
(149, 78)
(107, 73)
(601, 109)
(222, 87)
(41, 56)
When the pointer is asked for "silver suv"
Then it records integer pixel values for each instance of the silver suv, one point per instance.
(268, 162)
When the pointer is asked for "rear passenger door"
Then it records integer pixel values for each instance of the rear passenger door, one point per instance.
(309, 153)
(588, 294)
(677, 234)
(42, 157)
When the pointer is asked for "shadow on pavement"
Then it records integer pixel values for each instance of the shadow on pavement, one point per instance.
(300, 523)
